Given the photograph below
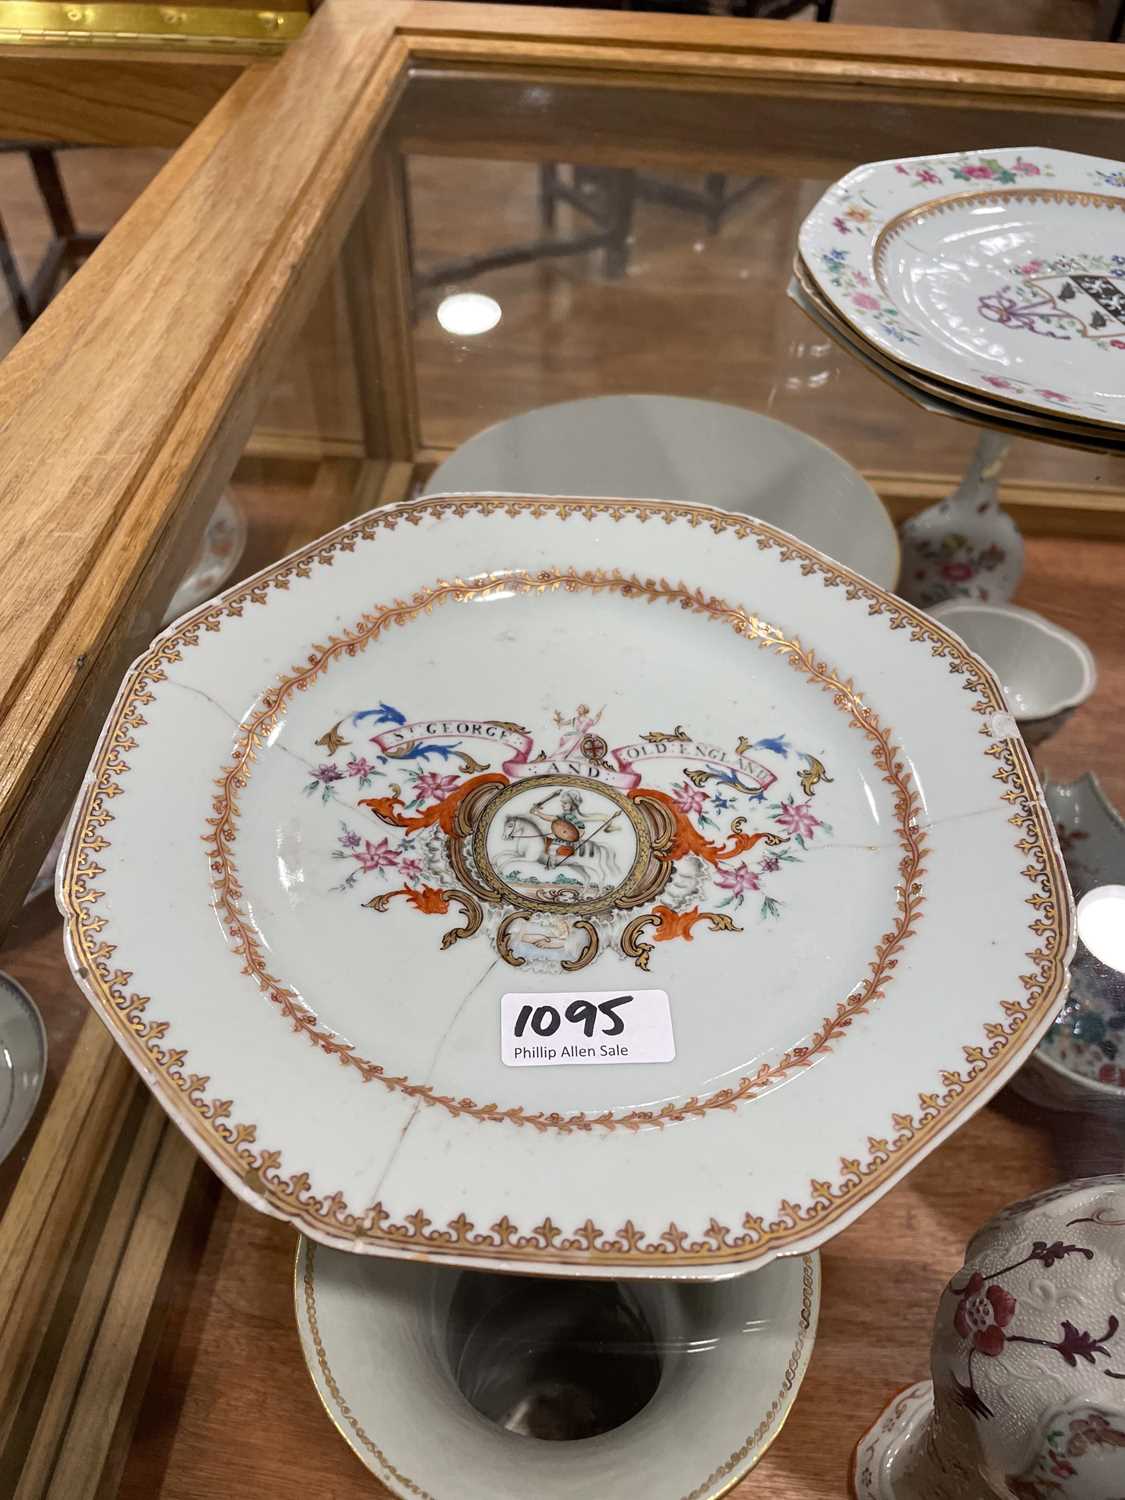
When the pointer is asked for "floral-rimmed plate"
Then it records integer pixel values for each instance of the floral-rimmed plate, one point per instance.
(947, 400)
(998, 271)
(473, 747)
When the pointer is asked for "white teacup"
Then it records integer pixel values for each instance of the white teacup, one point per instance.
(469, 1384)
(1045, 671)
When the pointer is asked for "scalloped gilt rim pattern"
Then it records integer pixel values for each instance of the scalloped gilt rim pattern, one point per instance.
(230, 903)
(259, 1170)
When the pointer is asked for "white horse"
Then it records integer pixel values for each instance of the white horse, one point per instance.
(595, 861)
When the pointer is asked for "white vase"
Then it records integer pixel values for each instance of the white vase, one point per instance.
(965, 546)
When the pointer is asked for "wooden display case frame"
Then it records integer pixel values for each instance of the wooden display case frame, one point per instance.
(126, 408)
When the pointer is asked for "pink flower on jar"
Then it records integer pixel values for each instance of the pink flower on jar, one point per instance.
(866, 300)
(1054, 396)
(999, 382)
(983, 1313)
(956, 572)
(1031, 268)
(1025, 168)
(688, 799)
(978, 171)
(927, 174)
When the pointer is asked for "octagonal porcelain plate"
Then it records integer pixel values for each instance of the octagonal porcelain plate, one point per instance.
(1000, 272)
(476, 747)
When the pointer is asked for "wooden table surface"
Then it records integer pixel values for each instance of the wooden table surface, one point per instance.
(230, 1411)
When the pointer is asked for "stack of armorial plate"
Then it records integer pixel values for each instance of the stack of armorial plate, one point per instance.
(986, 286)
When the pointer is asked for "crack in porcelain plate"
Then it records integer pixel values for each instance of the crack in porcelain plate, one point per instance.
(474, 746)
(999, 272)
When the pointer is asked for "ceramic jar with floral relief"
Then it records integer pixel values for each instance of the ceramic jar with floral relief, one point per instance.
(1027, 1396)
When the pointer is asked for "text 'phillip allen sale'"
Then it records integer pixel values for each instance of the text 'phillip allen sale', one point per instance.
(597, 1026)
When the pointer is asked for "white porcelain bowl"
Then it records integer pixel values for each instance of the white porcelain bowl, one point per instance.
(23, 1061)
(1080, 1062)
(676, 448)
(1045, 671)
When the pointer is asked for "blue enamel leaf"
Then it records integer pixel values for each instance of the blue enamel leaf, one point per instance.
(419, 751)
(384, 714)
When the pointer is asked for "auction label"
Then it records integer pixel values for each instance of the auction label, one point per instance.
(591, 1026)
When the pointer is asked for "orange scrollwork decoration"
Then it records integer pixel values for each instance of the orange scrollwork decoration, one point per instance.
(392, 809)
(668, 924)
(434, 902)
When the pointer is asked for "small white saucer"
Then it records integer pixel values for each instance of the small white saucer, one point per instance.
(879, 1452)
(223, 544)
(219, 554)
(23, 1061)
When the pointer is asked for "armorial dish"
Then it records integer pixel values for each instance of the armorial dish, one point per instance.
(1000, 272)
(477, 747)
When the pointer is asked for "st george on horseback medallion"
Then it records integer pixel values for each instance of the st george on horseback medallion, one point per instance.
(560, 850)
